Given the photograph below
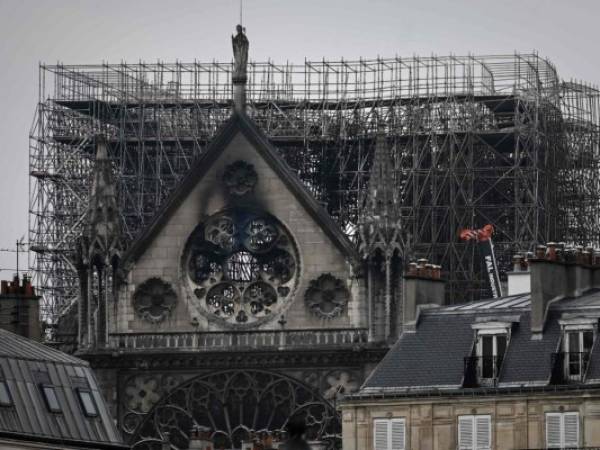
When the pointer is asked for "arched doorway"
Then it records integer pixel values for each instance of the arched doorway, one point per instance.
(233, 404)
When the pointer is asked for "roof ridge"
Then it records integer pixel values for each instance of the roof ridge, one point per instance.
(22, 348)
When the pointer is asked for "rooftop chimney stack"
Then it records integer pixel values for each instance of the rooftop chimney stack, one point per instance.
(558, 272)
(423, 288)
(519, 279)
(20, 308)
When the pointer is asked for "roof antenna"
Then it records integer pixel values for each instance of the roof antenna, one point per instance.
(241, 23)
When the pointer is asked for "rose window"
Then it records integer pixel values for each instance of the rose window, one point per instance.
(242, 266)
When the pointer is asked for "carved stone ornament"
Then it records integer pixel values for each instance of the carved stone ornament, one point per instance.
(241, 266)
(154, 300)
(327, 296)
(340, 382)
(240, 178)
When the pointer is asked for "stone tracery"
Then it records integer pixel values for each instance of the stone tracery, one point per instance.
(232, 405)
(241, 265)
(327, 296)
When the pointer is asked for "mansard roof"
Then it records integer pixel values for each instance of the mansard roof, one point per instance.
(25, 366)
(242, 123)
(431, 360)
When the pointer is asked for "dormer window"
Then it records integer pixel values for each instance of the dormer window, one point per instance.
(490, 351)
(571, 362)
(577, 348)
(483, 367)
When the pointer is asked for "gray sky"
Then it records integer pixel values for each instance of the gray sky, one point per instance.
(93, 31)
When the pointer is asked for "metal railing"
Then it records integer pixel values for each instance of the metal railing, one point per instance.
(236, 340)
(481, 370)
(568, 367)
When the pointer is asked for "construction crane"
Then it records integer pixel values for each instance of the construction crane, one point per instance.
(483, 237)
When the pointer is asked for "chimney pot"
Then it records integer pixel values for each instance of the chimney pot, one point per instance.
(412, 269)
(429, 270)
(596, 258)
(540, 252)
(525, 261)
(436, 272)
(517, 262)
(551, 251)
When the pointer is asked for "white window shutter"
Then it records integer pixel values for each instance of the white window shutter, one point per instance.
(380, 435)
(466, 427)
(398, 434)
(571, 429)
(483, 432)
(553, 430)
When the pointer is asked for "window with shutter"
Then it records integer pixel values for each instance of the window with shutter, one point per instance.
(389, 434)
(562, 430)
(397, 437)
(571, 429)
(466, 427)
(553, 430)
(475, 432)
(380, 433)
(483, 431)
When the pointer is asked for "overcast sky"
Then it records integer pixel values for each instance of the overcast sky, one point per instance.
(93, 31)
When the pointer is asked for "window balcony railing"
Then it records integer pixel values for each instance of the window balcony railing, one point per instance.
(481, 371)
(569, 367)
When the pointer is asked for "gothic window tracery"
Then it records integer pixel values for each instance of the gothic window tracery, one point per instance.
(231, 405)
(242, 266)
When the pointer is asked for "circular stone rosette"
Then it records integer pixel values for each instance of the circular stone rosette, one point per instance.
(240, 178)
(327, 296)
(241, 267)
(154, 300)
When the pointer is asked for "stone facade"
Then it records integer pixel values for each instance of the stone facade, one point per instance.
(162, 259)
(241, 274)
(518, 421)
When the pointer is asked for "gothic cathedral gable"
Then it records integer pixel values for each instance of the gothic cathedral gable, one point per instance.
(241, 245)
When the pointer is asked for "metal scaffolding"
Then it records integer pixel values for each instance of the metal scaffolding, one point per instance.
(475, 139)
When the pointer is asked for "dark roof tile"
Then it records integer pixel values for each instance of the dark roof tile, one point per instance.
(21, 362)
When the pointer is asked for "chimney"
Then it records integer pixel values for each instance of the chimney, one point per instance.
(519, 279)
(423, 288)
(20, 308)
(558, 272)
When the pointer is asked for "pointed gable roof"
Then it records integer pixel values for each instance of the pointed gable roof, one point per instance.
(239, 121)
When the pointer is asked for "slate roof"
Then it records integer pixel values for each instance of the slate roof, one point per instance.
(24, 366)
(432, 358)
